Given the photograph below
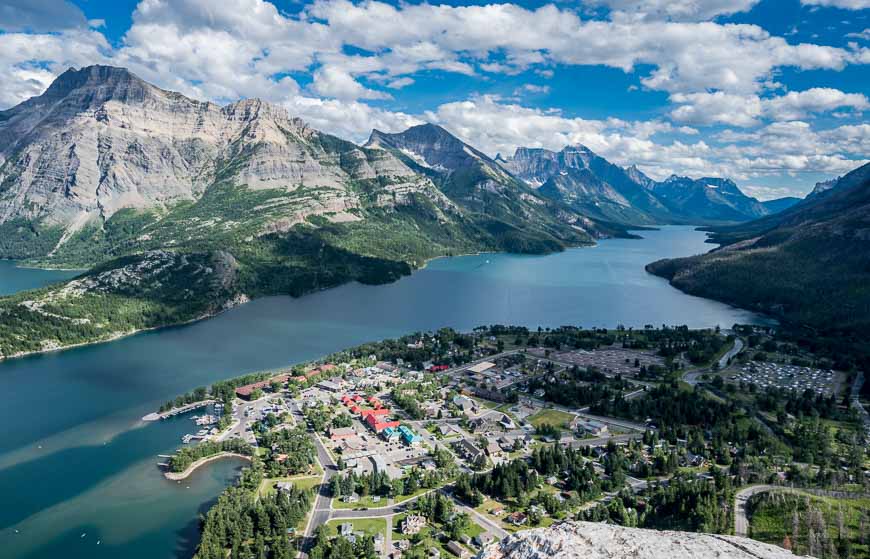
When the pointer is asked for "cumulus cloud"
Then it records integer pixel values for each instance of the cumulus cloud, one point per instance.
(748, 110)
(678, 10)
(844, 4)
(40, 16)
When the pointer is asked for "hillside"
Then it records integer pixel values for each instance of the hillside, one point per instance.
(588, 540)
(809, 264)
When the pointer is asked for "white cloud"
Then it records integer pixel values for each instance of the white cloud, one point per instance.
(351, 120)
(748, 110)
(40, 16)
(29, 63)
(797, 104)
(844, 4)
(863, 35)
(677, 10)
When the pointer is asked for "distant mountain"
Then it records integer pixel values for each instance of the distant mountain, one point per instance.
(708, 199)
(589, 183)
(823, 186)
(809, 264)
(509, 209)
(593, 185)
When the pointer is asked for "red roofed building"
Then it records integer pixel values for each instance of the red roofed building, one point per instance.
(248, 389)
(355, 409)
(377, 413)
(357, 398)
(379, 426)
(328, 367)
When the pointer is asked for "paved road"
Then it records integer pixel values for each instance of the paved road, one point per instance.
(741, 520)
(693, 377)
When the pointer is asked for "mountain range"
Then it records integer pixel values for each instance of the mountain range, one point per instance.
(149, 188)
(808, 264)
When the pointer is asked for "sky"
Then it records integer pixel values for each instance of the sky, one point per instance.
(771, 93)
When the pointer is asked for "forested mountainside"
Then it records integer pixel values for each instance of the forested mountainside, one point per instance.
(809, 264)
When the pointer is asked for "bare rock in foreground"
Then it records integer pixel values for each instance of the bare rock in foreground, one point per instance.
(592, 540)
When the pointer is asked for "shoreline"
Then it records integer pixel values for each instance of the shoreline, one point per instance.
(178, 476)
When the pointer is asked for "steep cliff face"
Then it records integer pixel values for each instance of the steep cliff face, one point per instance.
(100, 140)
(588, 540)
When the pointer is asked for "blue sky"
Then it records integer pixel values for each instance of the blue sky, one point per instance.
(772, 93)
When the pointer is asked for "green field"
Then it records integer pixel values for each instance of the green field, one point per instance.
(370, 526)
(302, 482)
(364, 502)
(551, 417)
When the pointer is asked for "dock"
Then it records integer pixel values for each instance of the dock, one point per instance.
(155, 416)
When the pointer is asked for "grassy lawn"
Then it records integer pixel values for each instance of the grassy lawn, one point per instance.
(552, 417)
(370, 526)
(366, 502)
(267, 486)
(403, 498)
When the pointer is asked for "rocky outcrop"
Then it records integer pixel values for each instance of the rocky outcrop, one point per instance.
(588, 540)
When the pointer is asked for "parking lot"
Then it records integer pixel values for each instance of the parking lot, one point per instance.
(789, 377)
(611, 361)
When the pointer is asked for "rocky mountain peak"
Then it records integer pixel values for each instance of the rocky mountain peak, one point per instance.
(97, 84)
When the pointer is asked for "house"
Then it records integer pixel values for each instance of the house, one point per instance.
(352, 498)
(457, 550)
(493, 450)
(285, 486)
(340, 433)
(465, 403)
(447, 429)
(517, 518)
(345, 529)
(468, 450)
(379, 542)
(412, 524)
(496, 510)
(482, 539)
(434, 553)
(506, 421)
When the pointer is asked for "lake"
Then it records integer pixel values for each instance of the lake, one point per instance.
(13, 278)
(75, 458)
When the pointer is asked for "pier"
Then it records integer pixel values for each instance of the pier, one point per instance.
(155, 416)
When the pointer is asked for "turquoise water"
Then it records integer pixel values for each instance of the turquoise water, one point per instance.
(74, 457)
(13, 278)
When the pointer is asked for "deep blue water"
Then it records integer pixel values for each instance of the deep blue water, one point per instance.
(13, 278)
(74, 457)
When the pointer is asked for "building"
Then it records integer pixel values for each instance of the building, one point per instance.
(390, 434)
(517, 518)
(465, 403)
(340, 433)
(409, 437)
(382, 412)
(379, 464)
(329, 386)
(412, 524)
(481, 367)
(468, 450)
(457, 550)
(493, 449)
(345, 529)
(590, 427)
(377, 424)
(506, 421)
(245, 391)
(482, 539)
